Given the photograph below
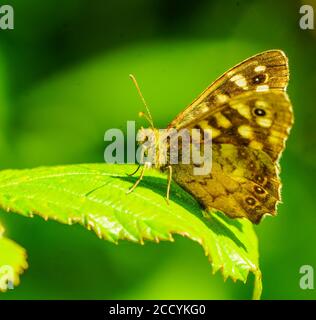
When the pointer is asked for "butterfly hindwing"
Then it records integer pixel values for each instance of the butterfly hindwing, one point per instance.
(243, 182)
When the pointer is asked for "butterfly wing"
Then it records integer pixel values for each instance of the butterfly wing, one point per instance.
(250, 116)
(243, 182)
(260, 121)
(262, 72)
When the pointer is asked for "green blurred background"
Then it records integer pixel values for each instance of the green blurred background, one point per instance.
(64, 81)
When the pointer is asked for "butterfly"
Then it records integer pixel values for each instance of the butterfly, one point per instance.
(249, 115)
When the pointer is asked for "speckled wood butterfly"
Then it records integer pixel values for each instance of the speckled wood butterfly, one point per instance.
(250, 116)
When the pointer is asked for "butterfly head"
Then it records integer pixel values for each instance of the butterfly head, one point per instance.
(148, 138)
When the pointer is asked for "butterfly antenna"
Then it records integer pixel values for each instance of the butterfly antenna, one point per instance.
(142, 114)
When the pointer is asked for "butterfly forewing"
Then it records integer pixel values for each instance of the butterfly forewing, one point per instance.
(264, 71)
(258, 120)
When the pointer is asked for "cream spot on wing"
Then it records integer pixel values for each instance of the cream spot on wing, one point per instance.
(227, 151)
(262, 88)
(237, 77)
(222, 121)
(222, 98)
(274, 140)
(261, 104)
(260, 68)
(240, 81)
(204, 125)
(255, 145)
(264, 122)
(215, 133)
(243, 109)
(276, 133)
(245, 131)
(239, 174)
(204, 107)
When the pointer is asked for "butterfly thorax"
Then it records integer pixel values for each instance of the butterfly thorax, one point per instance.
(155, 147)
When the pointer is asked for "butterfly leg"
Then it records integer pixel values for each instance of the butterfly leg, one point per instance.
(133, 173)
(95, 189)
(169, 183)
(146, 166)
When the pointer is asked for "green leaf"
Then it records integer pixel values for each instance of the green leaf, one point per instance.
(12, 262)
(94, 195)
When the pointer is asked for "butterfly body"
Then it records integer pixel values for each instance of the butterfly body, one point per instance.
(249, 115)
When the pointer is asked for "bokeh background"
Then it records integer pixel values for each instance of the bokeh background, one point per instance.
(64, 81)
